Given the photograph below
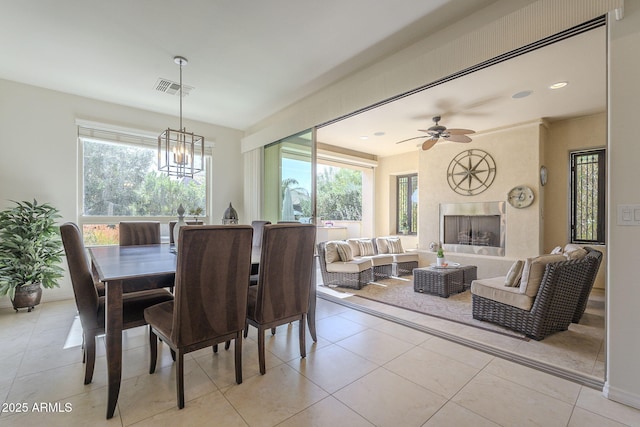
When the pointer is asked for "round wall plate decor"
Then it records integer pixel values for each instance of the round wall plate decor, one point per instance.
(471, 172)
(520, 196)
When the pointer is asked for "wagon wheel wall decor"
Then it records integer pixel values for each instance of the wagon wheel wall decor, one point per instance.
(471, 172)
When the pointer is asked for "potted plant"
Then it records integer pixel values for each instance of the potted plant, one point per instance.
(30, 252)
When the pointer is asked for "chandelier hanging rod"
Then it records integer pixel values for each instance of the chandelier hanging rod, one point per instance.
(180, 153)
(181, 61)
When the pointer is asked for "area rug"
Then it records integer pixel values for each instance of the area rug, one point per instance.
(398, 292)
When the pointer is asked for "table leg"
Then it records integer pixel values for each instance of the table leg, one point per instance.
(113, 337)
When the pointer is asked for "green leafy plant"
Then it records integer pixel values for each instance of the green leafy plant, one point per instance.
(195, 213)
(30, 247)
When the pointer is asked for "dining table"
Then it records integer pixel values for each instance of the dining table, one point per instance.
(120, 268)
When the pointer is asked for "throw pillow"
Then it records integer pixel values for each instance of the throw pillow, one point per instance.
(572, 251)
(366, 248)
(331, 252)
(355, 247)
(395, 246)
(381, 243)
(577, 254)
(534, 270)
(515, 273)
(344, 250)
(570, 247)
(557, 250)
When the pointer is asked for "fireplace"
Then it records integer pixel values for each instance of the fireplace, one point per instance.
(477, 228)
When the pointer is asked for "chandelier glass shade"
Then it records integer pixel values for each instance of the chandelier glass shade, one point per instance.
(180, 153)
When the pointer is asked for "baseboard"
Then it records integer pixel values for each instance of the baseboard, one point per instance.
(621, 396)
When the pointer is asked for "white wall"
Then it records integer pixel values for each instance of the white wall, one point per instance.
(623, 283)
(38, 146)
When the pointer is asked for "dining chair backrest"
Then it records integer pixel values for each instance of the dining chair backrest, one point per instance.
(212, 274)
(139, 233)
(172, 225)
(286, 263)
(258, 228)
(83, 286)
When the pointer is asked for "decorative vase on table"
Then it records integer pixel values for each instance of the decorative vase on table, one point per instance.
(181, 223)
(440, 257)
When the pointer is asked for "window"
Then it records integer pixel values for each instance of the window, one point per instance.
(288, 176)
(121, 181)
(407, 204)
(339, 193)
(588, 196)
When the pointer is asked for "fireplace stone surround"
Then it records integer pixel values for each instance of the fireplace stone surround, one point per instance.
(473, 227)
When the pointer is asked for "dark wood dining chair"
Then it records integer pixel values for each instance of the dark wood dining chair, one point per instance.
(172, 225)
(258, 228)
(136, 233)
(284, 282)
(210, 296)
(139, 233)
(133, 233)
(91, 306)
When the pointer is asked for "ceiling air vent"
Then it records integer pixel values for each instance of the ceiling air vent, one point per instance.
(172, 88)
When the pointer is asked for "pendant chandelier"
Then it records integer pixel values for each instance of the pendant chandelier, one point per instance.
(180, 153)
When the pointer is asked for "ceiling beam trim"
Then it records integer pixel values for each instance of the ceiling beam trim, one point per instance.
(477, 38)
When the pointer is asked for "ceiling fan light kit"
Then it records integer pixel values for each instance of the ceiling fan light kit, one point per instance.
(437, 132)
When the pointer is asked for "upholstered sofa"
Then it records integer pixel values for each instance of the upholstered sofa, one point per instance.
(353, 263)
(351, 273)
(403, 262)
(365, 248)
(550, 294)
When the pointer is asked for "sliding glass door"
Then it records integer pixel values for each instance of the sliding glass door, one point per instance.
(289, 179)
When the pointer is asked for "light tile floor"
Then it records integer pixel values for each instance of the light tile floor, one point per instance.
(363, 371)
(578, 350)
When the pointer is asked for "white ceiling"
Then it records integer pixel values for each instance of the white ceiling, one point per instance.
(247, 58)
(483, 101)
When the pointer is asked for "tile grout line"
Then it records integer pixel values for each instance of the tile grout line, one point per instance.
(574, 376)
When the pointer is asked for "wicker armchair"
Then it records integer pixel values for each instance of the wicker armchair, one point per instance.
(353, 280)
(560, 299)
(588, 285)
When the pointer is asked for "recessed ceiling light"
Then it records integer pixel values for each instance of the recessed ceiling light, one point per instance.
(364, 137)
(379, 133)
(558, 85)
(522, 94)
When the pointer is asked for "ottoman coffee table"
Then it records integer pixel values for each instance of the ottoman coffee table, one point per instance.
(443, 281)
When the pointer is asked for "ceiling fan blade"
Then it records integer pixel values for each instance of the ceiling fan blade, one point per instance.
(458, 138)
(405, 140)
(460, 131)
(429, 143)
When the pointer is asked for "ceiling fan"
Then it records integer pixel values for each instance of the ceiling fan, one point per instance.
(438, 131)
